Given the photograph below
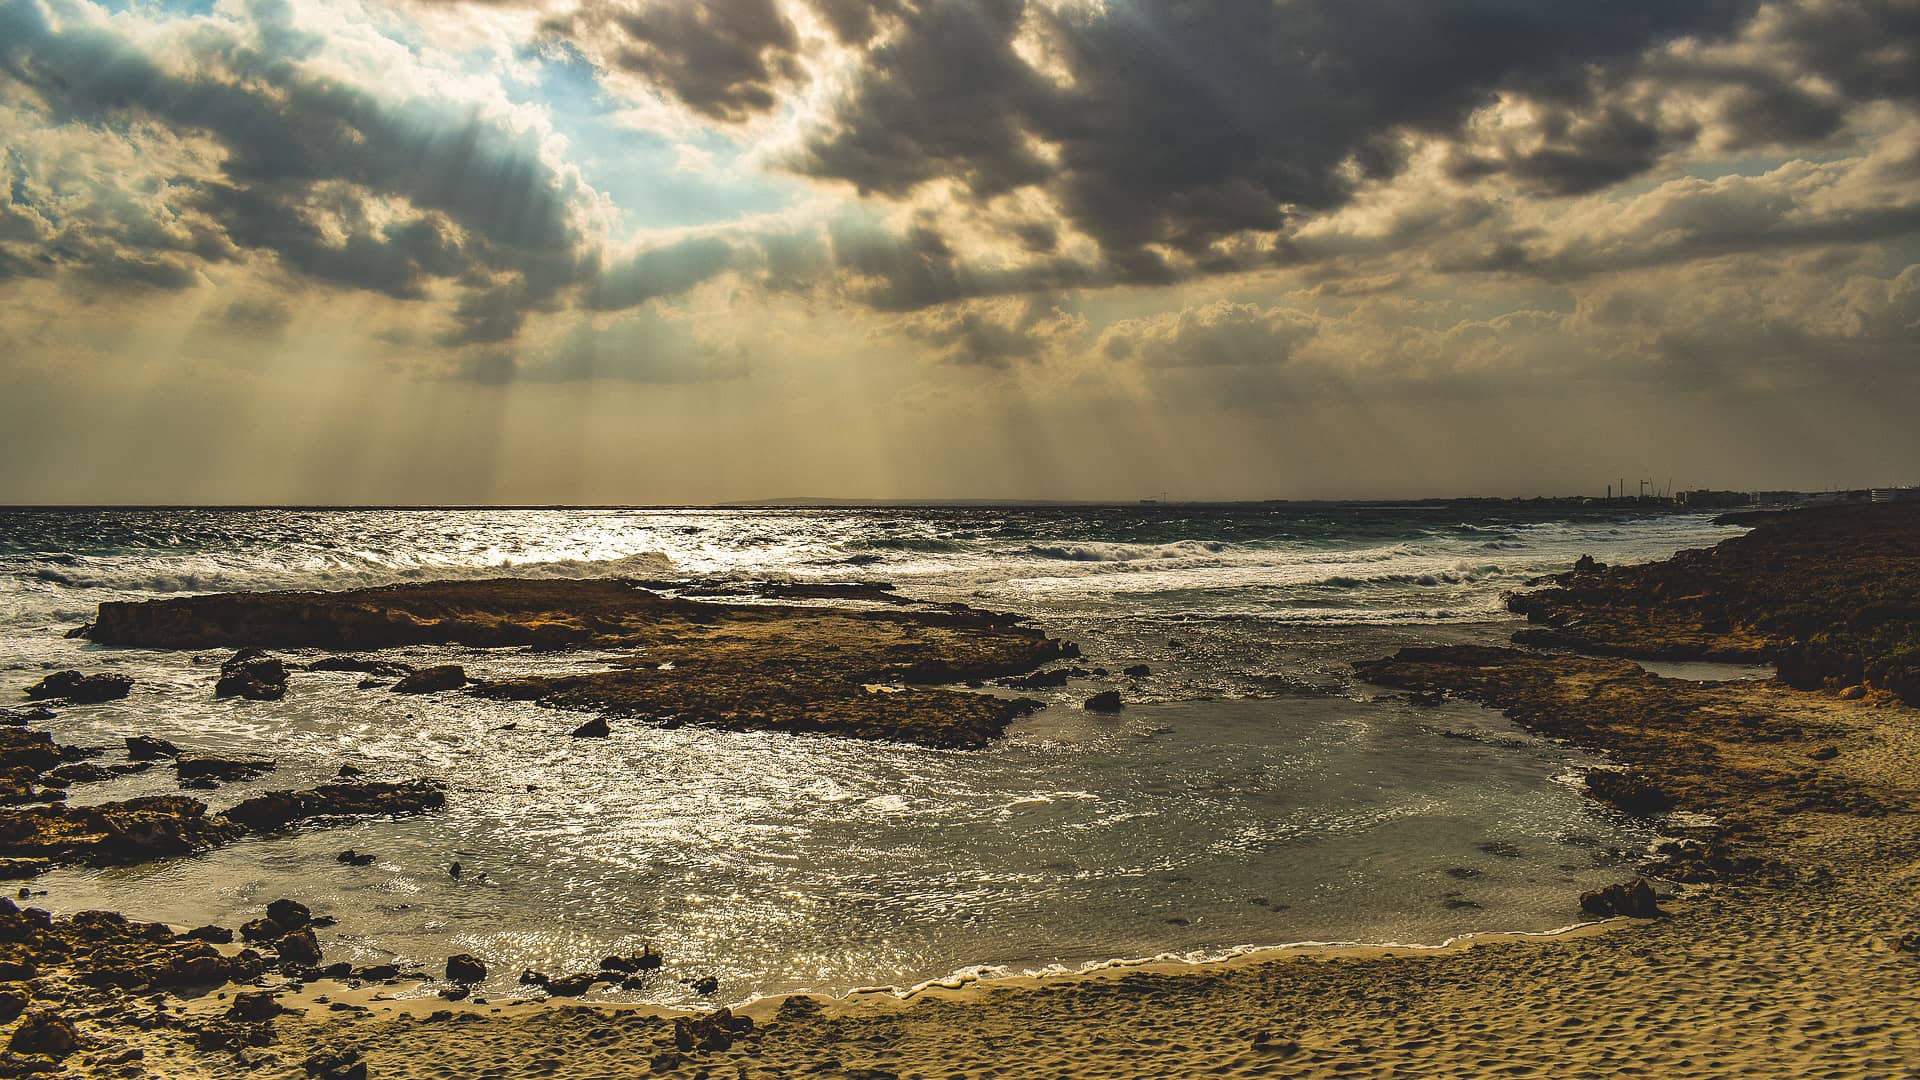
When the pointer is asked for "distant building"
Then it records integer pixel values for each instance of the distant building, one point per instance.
(1713, 500)
(1898, 494)
(1779, 498)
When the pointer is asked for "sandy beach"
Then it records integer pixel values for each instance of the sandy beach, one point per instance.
(1784, 944)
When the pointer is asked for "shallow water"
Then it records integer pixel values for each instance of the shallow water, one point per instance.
(1249, 794)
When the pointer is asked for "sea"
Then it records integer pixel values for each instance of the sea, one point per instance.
(1251, 793)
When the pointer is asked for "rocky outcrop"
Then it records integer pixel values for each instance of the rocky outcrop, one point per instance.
(857, 672)
(113, 833)
(279, 809)
(80, 689)
(1827, 594)
(254, 675)
(1107, 701)
(147, 748)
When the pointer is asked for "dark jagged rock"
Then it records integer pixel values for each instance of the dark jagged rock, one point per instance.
(354, 858)
(81, 689)
(217, 935)
(86, 772)
(148, 748)
(431, 680)
(465, 968)
(39, 714)
(113, 833)
(1107, 701)
(1044, 680)
(1136, 671)
(254, 1006)
(291, 914)
(706, 985)
(278, 809)
(219, 770)
(45, 1032)
(595, 728)
(298, 947)
(252, 674)
(633, 963)
(1634, 899)
(735, 666)
(713, 1032)
(35, 751)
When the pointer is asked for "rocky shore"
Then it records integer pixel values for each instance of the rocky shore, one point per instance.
(864, 672)
(1773, 932)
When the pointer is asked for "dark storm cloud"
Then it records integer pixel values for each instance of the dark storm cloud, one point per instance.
(304, 155)
(724, 58)
(1183, 124)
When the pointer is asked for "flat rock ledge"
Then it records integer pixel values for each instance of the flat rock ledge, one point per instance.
(859, 672)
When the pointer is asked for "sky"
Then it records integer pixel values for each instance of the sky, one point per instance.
(681, 251)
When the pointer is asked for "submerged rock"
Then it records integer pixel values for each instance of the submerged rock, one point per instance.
(1107, 701)
(148, 748)
(80, 689)
(366, 665)
(252, 674)
(213, 770)
(432, 680)
(278, 809)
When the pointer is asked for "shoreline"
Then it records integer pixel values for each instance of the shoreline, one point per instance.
(1788, 953)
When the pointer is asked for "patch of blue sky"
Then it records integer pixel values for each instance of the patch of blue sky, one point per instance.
(656, 181)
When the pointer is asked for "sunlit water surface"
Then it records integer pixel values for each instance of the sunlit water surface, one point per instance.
(1250, 794)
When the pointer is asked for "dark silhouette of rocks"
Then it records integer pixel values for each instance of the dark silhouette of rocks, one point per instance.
(595, 728)
(252, 674)
(80, 689)
(1107, 701)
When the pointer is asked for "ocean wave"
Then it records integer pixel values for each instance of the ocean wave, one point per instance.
(204, 573)
(1098, 552)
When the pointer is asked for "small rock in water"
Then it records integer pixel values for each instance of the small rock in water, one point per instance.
(291, 914)
(595, 728)
(252, 674)
(1825, 753)
(454, 870)
(644, 960)
(147, 748)
(1105, 702)
(354, 858)
(706, 985)
(81, 689)
(1137, 671)
(465, 968)
(1427, 699)
(429, 680)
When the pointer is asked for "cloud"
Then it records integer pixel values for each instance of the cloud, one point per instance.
(338, 182)
(724, 59)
